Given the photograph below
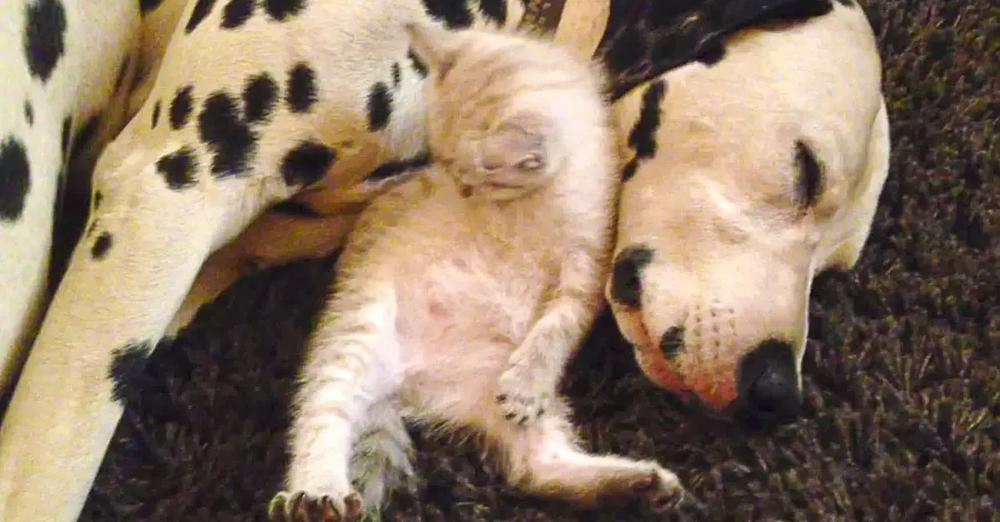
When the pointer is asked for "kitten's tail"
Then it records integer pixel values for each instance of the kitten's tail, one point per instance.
(381, 457)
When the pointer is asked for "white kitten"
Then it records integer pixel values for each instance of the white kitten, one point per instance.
(463, 293)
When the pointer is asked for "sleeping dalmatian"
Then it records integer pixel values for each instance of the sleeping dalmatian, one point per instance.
(242, 134)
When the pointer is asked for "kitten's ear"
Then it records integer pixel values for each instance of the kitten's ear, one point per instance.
(436, 47)
(520, 142)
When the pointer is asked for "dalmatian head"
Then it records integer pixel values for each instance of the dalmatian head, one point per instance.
(746, 175)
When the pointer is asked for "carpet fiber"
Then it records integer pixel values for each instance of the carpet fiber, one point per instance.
(902, 373)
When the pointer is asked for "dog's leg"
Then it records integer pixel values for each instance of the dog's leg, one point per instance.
(124, 282)
(273, 239)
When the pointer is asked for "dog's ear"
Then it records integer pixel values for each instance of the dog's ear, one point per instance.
(436, 47)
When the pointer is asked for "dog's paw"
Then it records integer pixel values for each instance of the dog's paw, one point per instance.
(303, 507)
(524, 394)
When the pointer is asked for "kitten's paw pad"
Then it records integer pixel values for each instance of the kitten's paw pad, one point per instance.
(523, 397)
(303, 507)
(658, 490)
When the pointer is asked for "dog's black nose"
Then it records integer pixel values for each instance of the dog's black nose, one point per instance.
(768, 385)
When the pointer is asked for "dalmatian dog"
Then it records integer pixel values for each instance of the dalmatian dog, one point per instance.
(234, 135)
(745, 178)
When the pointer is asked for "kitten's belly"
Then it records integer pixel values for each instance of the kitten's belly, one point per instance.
(458, 323)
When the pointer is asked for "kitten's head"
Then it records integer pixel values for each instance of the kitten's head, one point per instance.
(504, 111)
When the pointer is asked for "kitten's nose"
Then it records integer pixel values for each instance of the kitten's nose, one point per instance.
(768, 385)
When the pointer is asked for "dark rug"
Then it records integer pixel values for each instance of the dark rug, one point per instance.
(902, 373)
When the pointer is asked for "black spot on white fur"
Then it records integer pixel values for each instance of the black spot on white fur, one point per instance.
(98, 198)
(178, 168)
(395, 168)
(672, 342)
(67, 129)
(418, 64)
(809, 180)
(156, 115)
(397, 74)
(127, 364)
(301, 89)
(200, 12)
(642, 137)
(626, 275)
(29, 113)
(307, 163)
(295, 208)
(230, 139)
(84, 136)
(101, 246)
(379, 106)
(122, 69)
(283, 9)
(15, 179)
(44, 37)
(236, 13)
(146, 6)
(495, 10)
(181, 107)
(454, 13)
(260, 94)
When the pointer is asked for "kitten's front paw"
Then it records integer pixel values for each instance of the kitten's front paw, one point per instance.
(656, 489)
(524, 395)
(303, 507)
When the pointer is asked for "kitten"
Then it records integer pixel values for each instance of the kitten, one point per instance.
(463, 293)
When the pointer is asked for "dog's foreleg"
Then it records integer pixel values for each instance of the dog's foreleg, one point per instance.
(125, 280)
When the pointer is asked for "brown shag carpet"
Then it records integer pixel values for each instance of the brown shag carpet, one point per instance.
(902, 374)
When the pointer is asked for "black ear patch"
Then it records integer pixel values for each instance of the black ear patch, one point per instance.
(226, 134)
(200, 12)
(307, 163)
(101, 246)
(44, 37)
(127, 364)
(626, 275)
(301, 88)
(181, 106)
(15, 179)
(379, 106)
(672, 342)
(645, 38)
(455, 14)
(642, 137)
(809, 181)
(236, 13)
(260, 95)
(495, 10)
(282, 9)
(178, 168)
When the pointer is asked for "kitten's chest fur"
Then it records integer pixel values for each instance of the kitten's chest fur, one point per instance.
(472, 278)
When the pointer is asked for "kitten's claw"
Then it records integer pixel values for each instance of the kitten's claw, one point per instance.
(302, 507)
(523, 395)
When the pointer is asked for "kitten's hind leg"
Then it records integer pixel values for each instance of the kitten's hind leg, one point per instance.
(543, 458)
(349, 368)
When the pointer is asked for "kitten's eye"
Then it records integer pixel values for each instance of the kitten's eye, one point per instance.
(530, 163)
